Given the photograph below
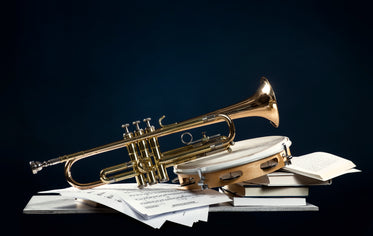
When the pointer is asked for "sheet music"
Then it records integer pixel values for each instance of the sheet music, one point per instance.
(108, 199)
(153, 205)
(164, 198)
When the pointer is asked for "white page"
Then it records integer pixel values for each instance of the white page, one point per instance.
(164, 198)
(191, 216)
(319, 161)
(105, 196)
(108, 195)
(320, 165)
(108, 199)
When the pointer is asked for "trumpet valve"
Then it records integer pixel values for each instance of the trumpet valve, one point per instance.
(127, 134)
(125, 127)
(147, 121)
(136, 124)
(145, 164)
(161, 172)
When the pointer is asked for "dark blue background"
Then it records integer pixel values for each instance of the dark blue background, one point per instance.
(73, 72)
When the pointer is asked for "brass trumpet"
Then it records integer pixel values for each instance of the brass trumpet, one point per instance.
(148, 164)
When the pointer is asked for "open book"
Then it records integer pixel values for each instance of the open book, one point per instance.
(320, 165)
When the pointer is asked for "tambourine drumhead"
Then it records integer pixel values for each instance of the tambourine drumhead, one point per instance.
(243, 152)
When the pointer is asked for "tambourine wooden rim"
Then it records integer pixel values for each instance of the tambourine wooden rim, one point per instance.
(270, 155)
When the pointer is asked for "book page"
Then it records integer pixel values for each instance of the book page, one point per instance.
(320, 165)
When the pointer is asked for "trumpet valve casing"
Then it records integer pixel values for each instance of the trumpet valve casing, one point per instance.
(156, 153)
(134, 157)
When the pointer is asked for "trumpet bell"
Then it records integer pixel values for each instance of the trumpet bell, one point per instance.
(262, 104)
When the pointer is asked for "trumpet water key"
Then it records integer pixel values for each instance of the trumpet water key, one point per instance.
(148, 164)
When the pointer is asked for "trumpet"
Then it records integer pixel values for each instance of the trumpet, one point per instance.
(148, 165)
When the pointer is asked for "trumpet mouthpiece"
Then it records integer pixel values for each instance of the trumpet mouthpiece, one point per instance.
(36, 166)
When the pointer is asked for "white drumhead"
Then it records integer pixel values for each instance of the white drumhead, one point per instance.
(243, 152)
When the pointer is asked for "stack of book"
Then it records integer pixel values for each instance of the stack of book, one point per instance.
(290, 186)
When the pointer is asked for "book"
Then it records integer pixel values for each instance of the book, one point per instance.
(244, 190)
(268, 201)
(284, 178)
(320, 165)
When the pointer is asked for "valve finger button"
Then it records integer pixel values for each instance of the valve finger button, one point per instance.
(147, 121)
(136, 124)
(125, 127)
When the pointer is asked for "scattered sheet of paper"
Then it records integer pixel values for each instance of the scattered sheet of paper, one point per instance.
(164, 198)
(153, 205)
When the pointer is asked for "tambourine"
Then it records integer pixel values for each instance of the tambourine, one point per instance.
(249, 159)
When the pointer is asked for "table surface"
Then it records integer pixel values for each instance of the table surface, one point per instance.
(55, 204)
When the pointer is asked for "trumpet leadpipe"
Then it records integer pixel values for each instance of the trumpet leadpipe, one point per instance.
(37, 166)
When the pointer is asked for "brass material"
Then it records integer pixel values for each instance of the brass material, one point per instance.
(148, 164)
